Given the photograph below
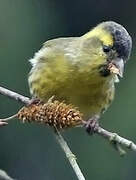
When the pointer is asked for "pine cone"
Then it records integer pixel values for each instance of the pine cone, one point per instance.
(56, 114)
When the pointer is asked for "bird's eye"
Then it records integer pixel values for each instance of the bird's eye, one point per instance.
(106, 49)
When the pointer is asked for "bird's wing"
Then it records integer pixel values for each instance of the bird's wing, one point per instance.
(51, 49)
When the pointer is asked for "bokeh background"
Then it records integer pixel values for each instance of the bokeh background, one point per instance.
(30, 151)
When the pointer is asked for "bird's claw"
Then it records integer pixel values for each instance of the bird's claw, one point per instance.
(35, 101)
(92, 124)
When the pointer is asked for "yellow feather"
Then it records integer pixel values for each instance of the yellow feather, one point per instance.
(84, 88)
(100, 33)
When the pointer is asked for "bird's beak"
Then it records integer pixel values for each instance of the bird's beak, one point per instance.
(116, 67)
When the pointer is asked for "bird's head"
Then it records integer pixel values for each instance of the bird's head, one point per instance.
(114, 43)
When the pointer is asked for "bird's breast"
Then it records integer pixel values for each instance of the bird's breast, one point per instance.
(91, 93)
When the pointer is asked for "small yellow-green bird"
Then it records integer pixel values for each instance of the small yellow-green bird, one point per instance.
(82, 70)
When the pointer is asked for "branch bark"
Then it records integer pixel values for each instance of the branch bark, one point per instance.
(71, 157)
(116, 138)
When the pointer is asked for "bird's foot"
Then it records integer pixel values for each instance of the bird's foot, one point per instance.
(35, 101)
(92, 124)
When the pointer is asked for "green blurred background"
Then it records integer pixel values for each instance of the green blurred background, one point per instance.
(30, 151)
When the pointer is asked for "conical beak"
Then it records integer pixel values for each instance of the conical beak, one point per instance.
(117, 67)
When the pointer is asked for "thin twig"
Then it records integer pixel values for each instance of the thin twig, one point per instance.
(8, 118)
(71, 157)
(60, 139)
(120, 140)
(14, 95)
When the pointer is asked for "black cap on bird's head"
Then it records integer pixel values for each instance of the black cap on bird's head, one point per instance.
(121, 38)
(122, 45)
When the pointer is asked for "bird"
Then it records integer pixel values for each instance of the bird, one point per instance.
(82, 70)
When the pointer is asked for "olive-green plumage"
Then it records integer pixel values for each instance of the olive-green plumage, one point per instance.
(78, 70)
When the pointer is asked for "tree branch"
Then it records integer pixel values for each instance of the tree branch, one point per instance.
(115, 137)
(14, 95)
(106, 134)
(112, 137)
(71, 157)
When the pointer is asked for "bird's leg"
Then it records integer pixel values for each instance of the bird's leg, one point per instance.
(92, 124)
